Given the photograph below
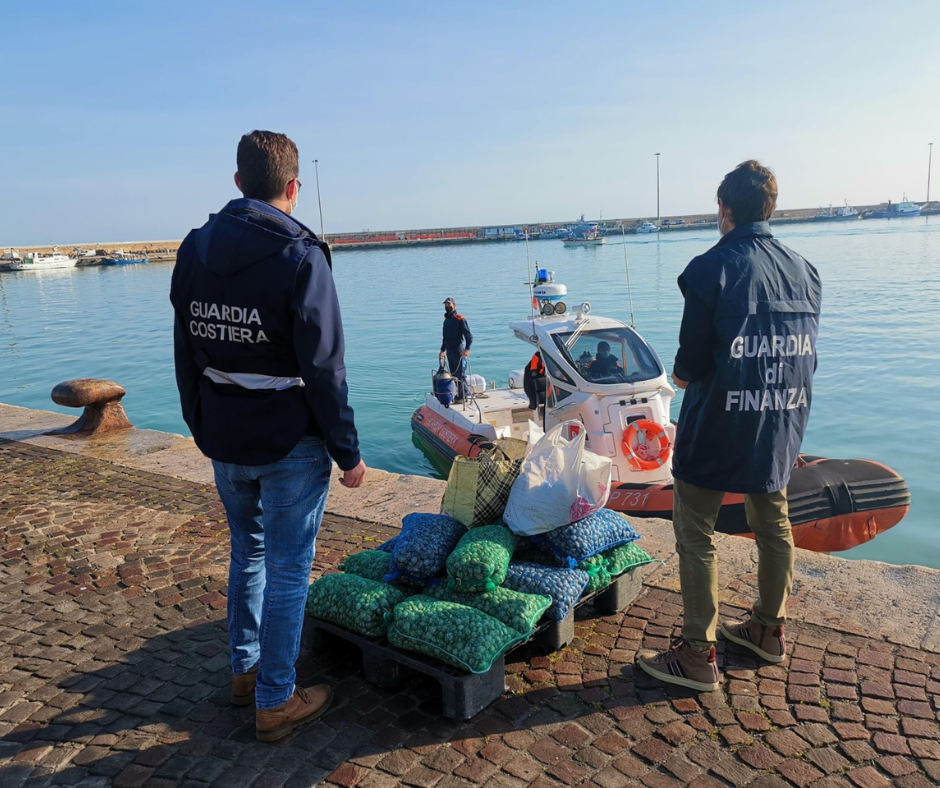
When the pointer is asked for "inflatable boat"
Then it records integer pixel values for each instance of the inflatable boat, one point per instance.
(623, 408)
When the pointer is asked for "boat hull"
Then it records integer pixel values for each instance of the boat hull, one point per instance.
(893, 214)
(834, 504)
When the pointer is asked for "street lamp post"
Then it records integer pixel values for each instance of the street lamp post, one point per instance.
(657, 187)
(316, 166)
(929, 158)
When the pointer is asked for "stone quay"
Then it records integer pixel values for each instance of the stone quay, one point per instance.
(114, 667)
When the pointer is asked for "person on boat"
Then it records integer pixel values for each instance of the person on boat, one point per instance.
(535, 383)
(455, 345)
(605, 363)
(258, 347)
(746, 358)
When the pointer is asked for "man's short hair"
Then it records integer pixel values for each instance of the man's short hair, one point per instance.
(267, 161)
(749, 191)
(603, 346)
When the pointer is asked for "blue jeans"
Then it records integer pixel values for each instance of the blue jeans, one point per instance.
(274, 513)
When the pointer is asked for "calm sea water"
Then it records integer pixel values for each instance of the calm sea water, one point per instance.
(877, 389)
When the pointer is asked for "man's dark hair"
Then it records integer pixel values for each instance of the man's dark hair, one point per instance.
(603, 346)
(750, 192)
(266, 163)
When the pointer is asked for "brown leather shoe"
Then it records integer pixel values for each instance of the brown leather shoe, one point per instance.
(243, 687)
(306, 704)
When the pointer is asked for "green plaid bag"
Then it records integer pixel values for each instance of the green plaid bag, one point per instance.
(478, 487)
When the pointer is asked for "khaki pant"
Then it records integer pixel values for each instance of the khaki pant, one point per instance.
(695, 510)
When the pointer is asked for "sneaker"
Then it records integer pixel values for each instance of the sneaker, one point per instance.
(305, 704)
(243, 687)
(682, 665)
(766, 641)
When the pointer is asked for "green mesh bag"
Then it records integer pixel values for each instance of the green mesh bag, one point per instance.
(515, 609)
(625, 557)
(456, 634)
(480, 559)
(604, 567)
(597, 571)
(354, 602)
(372, 564)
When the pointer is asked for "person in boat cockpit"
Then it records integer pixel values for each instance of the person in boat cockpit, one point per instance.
(605, 364)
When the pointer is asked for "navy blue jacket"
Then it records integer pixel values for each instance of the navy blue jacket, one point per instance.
(456, 334)
(253, 292)
(747, 346)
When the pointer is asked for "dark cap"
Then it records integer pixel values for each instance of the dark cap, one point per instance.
(450, 301)
(603, 346)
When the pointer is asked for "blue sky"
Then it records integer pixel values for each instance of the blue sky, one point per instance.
(120, 120)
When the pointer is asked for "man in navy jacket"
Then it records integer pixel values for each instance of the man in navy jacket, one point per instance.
(258, 345)
(747, 353)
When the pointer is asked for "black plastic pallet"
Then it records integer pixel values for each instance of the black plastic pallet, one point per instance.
(464, 694)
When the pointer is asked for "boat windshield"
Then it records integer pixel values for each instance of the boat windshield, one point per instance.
(609, 356)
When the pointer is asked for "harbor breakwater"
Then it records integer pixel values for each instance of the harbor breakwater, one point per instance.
(367, 239)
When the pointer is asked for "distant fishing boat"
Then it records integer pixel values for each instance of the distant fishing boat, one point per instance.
(121, 258)
(845, 213)
(38, 262)
(584, 234)
(894, 210)
(646, 227)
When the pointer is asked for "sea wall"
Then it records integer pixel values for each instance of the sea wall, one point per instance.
(899, 604)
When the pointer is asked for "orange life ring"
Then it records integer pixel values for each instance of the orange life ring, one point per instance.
(652, 449)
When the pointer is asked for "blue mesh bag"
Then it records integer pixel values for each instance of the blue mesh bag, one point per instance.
(563, 586)
(421, 549)
(592, 535)
(387, 547)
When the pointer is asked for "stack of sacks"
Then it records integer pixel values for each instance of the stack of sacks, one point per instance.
(469, 620)
(577, 559)
(464, 616)
(455, 592)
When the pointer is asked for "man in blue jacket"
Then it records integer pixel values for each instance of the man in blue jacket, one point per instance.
(455, 344)
(258, 345)
(747, 353)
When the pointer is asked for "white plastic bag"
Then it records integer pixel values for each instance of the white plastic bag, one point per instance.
(560, 483)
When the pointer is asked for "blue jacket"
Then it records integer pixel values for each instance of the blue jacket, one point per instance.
(747, 346)
(253, 293)
(456, 333)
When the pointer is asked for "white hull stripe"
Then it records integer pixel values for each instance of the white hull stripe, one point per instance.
(251, 380)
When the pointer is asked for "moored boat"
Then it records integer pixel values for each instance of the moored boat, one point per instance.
(646, 227)
(894, 210)
(584, 234)
(39, 262)
(841, 214)
(622, 402)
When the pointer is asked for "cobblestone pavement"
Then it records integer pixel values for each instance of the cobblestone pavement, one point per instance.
(113, 671)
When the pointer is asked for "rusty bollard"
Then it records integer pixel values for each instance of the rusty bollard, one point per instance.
(102, 402)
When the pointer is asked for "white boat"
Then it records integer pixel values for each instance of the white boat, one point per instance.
(584, 233)
(606, 381)
(647, 227)
(841, 214)
(606, 391)
(39, 262)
